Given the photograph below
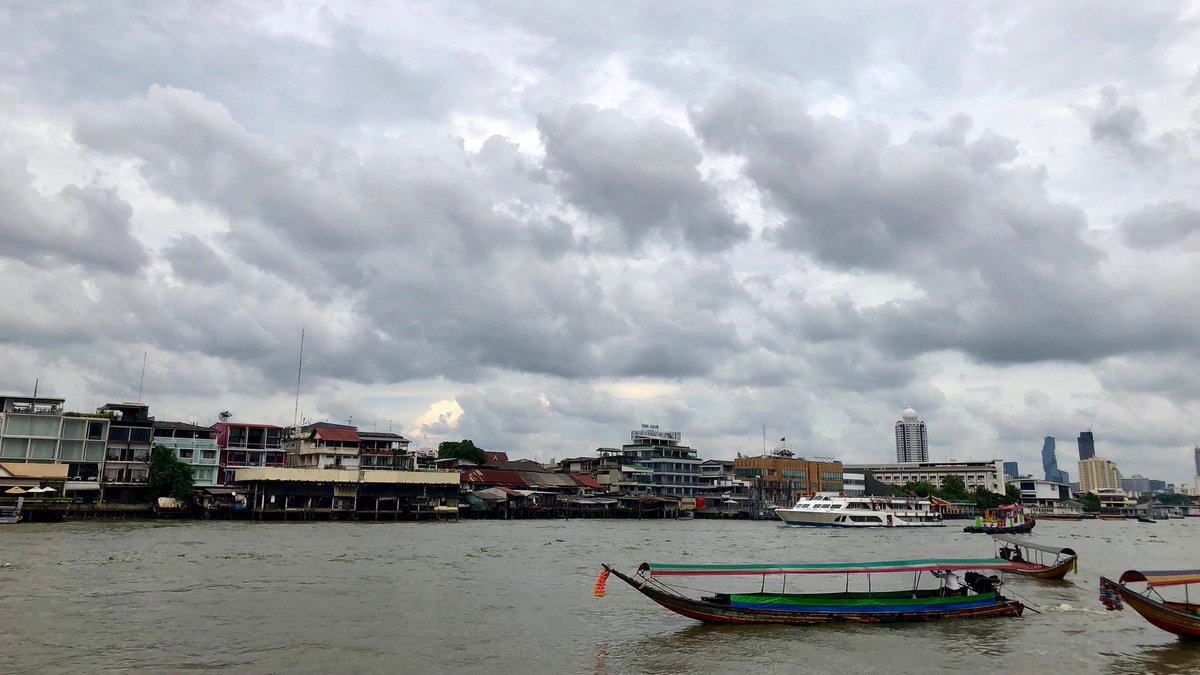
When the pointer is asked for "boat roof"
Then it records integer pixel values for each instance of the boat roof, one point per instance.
(1017, 541)
(1163, 577)
(927, 565)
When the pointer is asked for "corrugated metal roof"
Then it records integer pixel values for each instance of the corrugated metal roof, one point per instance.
(337, 435)
(44, 471)
(547, 479)
(485, 476)
(584, 480)
(338, 476)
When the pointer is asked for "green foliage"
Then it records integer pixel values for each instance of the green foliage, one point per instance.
(464, 449)
(1172, 500)
(1091, 502)
(986, 499)
(954, 489)
(921, 488)
(169, 477)
(1012, 492)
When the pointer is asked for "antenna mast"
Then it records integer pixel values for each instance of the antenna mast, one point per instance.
(299, 369)
(143, 378)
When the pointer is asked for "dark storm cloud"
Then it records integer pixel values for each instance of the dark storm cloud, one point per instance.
(642, 173)
(1161, 225)
(1120, 123)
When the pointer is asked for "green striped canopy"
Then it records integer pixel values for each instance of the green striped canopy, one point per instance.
(931, 565)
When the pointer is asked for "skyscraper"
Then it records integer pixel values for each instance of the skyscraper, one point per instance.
(912, 444)
(1196, 452)
(1087, 445)
(1050, 461)
(1011, 471)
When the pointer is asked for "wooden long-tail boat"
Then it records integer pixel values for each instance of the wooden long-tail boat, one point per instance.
(980, 598)
(1032, 559)
(1180, 618)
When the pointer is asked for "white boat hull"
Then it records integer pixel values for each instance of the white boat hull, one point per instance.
(807, 518)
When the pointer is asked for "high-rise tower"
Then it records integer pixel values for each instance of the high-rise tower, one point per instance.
(1087, 445)
(1196, 452)
(1050, 461)
(912, 443)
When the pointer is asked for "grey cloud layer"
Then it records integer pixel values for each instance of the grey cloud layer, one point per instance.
(321, 148)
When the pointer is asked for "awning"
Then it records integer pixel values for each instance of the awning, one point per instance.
(1017, 541)
(1163, 577)
(989, 564)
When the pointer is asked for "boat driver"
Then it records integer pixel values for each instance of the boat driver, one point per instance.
(950, 583)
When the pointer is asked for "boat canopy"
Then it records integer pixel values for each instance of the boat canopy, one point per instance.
(1017, 541)
(990, 564)
(1163, 577)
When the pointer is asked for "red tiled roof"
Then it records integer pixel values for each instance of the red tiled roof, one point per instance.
(495, 456)
(584, 480)
(337, 434)
(497, 477)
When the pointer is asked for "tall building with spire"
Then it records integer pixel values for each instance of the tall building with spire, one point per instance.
(912, 443)
(1087, 445)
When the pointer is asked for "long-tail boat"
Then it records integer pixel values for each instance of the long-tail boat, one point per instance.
(1008, 519)
(979, 598)
(1180, 618)
(1033, 558)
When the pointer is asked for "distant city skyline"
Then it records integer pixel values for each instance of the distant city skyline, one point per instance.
(1087, 445)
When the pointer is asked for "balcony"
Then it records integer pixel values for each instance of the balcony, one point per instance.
(126, 476)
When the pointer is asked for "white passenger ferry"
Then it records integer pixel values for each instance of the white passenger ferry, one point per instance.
(829, 509)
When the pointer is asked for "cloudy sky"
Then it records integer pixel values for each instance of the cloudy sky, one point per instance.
(538, 225)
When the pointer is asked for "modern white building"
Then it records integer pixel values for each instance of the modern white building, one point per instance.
(912, 442)
(36, 430)
(988, 475)
(854, 484)
(674, 466)
(1098, 474)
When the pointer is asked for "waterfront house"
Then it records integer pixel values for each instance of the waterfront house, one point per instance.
(36, 430)
(384, 450)
(127, 453)
(247, 445)
(195, 446)
(323, 445)
(300, 494)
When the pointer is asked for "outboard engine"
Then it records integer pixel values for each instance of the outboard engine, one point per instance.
(982, 584)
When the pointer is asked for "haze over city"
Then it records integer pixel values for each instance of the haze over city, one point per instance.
(539, 225)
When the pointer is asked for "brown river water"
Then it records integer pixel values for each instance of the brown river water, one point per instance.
(516, 597)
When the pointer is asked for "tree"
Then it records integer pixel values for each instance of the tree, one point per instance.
(169, 477)
(464, 449)
(954, 488)
(1091, 502)
(921, 488)
(1012, 492)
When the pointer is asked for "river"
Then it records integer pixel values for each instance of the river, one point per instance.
(516, 596)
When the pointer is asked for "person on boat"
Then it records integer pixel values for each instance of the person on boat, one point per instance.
(950, 583)
(1005, 552)
(1016, 555)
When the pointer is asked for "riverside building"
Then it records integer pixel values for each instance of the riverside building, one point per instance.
(912, 442)
(1098, 474)
(781, 478)
(36, 430)
(674, 467)
(988, 475)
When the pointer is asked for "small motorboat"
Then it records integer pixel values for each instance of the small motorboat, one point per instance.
(1180, 618)
(1146, 519)
(979, 598)
(1033, 558)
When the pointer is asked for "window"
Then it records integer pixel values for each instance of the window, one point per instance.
(73, 429)
(71, 451)
(118, 434)
(141, 435)
(208, 454)
(186, 453)
(14, 448)
(95, 431)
